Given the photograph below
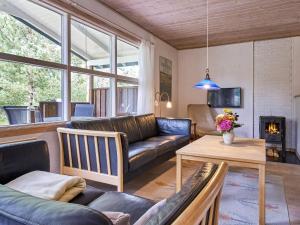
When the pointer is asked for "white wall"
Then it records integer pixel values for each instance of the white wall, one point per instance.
(297, 101)
(267, 71)
(273, 92)
(230, 66)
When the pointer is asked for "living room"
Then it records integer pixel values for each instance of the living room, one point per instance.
(128, 99)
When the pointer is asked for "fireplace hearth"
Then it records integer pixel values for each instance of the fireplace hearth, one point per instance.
(273, 130)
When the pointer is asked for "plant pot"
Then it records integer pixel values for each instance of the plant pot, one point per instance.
(228, 137)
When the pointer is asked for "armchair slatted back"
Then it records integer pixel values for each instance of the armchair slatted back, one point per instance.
(94, 155)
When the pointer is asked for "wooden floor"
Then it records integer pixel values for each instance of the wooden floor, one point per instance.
(159, 183)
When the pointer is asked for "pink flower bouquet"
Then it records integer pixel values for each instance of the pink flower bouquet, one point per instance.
(227, 122)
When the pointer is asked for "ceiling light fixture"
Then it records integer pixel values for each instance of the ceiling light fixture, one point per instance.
(207, 83)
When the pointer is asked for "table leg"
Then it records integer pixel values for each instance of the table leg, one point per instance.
(262, 177)
(178, 173)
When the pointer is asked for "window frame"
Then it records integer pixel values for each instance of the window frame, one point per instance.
(66, 67)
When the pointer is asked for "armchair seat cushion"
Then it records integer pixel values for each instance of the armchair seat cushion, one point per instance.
(122, 202)
(201, 132)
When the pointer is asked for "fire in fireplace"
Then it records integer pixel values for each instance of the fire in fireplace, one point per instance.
(273, 130)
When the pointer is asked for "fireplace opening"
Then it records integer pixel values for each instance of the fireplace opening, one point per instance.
(272, 128)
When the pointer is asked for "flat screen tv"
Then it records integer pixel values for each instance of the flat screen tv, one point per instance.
(224, 97)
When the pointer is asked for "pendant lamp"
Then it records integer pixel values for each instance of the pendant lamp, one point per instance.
(207, 83)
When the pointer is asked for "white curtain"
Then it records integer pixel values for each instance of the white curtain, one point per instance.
(146, 78)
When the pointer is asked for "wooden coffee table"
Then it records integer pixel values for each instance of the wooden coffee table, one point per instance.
(244, 152)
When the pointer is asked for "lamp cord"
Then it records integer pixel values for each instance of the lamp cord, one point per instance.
(207, 34)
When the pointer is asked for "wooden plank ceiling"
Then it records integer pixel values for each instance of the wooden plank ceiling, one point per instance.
(182, 23)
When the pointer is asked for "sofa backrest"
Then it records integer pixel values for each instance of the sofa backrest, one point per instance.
(17, 159)
(147, 125)
(17, 208)
(127, 125)
(198, 195)
(95, 124)
(136, 128)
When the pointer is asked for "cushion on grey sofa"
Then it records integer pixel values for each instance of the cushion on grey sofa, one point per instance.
(121, 202)
(20, 208)
(147, 125)
(87, 196)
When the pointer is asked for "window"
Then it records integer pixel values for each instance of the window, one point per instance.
(80, 87)
(127, 59)
(26, 89)
(90, 48)
(30, 30)
(102, 96)
(33, 72)
(127, 98)
(93, 90)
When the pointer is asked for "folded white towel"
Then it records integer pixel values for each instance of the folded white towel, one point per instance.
(49, 186)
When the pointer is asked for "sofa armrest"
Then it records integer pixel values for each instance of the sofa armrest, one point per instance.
(174, 126)
(94, 155)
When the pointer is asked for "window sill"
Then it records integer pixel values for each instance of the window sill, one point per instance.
(17, 130)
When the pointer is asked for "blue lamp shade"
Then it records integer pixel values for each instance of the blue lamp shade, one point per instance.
(207, 83)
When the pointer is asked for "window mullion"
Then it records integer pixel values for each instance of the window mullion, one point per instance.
(66, 57)
(114, 72)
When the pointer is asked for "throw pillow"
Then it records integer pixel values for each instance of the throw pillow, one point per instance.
(118, 218)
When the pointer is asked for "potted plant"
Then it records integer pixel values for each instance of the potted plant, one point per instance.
(226, 123)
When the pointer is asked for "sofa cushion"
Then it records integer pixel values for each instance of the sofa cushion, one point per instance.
(127, 125)
(168, 143)
(87, 196)
(178, 139)
(141, 153)
(168, 126)
(20, 208)
(122, 202)
(147, 125)
(161, 143)
(95, 124)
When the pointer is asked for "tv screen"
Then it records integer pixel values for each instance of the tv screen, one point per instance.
(224, 97)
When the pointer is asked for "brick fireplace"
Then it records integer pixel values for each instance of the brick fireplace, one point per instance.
(273, 130)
